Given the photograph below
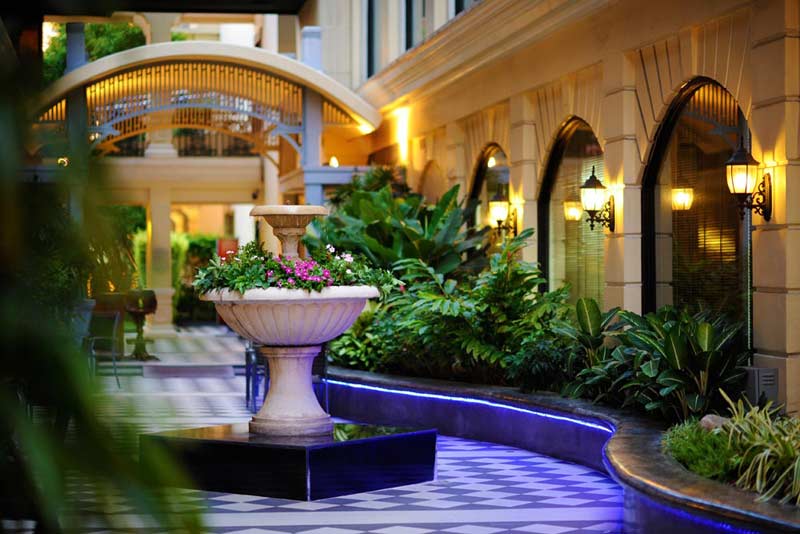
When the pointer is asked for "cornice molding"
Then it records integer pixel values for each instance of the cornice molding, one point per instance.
(486, 32)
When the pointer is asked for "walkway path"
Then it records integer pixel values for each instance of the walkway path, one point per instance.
(482, 488)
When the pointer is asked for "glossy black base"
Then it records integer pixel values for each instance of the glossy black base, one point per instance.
(357, 458)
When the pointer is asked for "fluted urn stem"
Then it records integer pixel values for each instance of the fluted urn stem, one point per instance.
(291, 408)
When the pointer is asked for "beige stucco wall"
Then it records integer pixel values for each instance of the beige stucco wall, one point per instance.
(619, 69)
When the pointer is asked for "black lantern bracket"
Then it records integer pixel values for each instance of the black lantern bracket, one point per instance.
(510, 224)
(604, 217)
(760, 200)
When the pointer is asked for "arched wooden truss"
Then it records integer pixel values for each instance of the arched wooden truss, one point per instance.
(241, 101)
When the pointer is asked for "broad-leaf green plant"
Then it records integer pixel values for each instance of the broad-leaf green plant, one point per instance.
(387, 228)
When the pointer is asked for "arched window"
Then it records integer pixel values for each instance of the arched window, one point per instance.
(570, 252)
(695, 246)
(490, 179)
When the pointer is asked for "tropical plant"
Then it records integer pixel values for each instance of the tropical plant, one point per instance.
(757, 449)
(681, 360)
(768, 450)
(387, 228)
(470, 329)
(375, 179)
(593, 362)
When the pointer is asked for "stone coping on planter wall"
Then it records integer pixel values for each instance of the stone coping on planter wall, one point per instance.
(660, 494)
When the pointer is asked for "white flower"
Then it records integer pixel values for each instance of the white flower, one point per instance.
(348, 258)
(348, 271)
(330, 248)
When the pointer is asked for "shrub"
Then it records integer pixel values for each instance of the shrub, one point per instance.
(670, 361)
(472, 329)
(768, 450)
(682, 361)
(757, 449)
(706, 453)
(386, 228)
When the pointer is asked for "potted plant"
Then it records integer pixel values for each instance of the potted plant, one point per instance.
(291, 306)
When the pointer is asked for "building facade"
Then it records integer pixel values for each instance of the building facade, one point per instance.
(653, 96)
(650, 97)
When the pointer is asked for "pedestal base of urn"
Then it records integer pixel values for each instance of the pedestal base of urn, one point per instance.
(351, 459)
(291, 408)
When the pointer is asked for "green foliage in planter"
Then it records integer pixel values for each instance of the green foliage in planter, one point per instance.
(681, 360)
(703, 452)
(757, 449)
(251, 267)
(471, 329)
(188, 306)
(670, 361)
(768, 451)
(592, 361)
(387, 228)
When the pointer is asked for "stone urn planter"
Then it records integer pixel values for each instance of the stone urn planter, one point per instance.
(291, 324)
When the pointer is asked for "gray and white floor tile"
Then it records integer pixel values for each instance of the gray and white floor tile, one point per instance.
(481, 488)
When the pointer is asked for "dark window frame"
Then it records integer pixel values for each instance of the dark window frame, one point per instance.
(655, 161)
(554, 158)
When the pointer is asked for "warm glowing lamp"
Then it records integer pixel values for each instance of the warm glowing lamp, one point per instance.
(682, 198)
(742, 170)
(573, 210)
(333, 162)
(498, 211)
(593, 200)
(742, 175)
(491, 162)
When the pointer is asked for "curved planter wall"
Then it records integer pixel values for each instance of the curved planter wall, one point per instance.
(660, 495)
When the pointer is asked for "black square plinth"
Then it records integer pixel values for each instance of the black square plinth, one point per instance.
(358, 458)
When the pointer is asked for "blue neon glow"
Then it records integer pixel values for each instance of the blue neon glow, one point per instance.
(468, 400)
(717, 526)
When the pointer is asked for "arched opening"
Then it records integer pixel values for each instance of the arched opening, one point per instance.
(489, 179)
(695, 246)
(570, 252)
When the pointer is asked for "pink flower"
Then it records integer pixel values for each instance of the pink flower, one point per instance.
(291, 281)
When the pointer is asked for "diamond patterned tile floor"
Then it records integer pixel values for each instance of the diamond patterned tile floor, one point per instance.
(481, 488)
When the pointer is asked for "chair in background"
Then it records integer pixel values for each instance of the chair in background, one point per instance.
(103, 342)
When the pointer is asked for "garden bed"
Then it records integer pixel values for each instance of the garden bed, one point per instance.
(660, 495)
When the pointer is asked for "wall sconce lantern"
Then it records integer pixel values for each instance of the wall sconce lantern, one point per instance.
(333, 162)
(593, 199)
(742, 175)
(573, 210)
(502, 216)
(682, 198)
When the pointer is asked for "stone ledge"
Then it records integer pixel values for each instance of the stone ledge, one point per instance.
(633, 457)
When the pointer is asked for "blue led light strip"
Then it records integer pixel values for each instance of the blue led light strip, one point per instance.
(468, 400)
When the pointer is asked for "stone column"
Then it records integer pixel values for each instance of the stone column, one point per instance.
(774, 123)
(159, 258)
(311, 53)
(160, 31)
(77, 122)
(524, 159)
(456, 167)
(623, 254)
